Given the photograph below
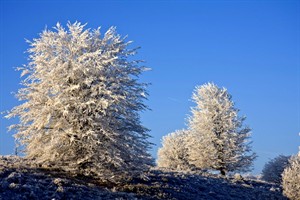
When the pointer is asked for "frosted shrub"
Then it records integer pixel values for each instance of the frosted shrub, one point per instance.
(81, 104)
(218, 140)
(291, 179)
(173, 153)
(273, 169)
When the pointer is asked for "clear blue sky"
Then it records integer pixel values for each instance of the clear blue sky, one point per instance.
(250, 47)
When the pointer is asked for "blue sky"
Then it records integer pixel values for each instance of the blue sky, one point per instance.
(250, 47)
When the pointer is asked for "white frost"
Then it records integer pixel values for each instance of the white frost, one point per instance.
(82, 103)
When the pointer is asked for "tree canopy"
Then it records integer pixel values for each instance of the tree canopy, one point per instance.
(81, 103)
(218, 139)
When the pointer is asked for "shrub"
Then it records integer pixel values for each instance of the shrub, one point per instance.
(272, 170)
(173, 153)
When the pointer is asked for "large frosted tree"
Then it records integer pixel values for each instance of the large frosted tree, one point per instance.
(81, 103)
(218, 139)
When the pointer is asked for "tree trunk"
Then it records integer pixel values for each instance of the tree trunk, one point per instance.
(223, 171)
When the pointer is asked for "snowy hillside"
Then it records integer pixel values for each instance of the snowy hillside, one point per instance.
(20, 179)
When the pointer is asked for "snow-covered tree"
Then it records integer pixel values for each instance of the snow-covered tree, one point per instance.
(173, 153)
(82, 100)
(218, 140)
(291, 179)
(273, 169)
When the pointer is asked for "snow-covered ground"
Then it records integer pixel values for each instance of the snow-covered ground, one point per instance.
(21, 179)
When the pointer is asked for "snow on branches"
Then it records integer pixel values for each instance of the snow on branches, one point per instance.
(173, 153)
(81, 104)
(218, 140)
(291, 178)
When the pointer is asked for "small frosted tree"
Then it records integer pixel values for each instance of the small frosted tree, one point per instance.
(81, 104)
(291, 179)
(273, 169)
(218, 140)
(173, 153)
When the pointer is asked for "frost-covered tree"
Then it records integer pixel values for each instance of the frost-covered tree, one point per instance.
(173, 153)
(218, 140)
(273, 169)
(291, 179)
(82, 100)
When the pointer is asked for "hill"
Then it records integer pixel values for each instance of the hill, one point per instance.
(21, 179)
